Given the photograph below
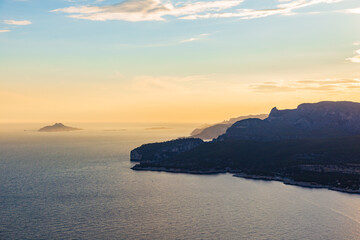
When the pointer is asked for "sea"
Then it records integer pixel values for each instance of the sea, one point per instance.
(79, 185)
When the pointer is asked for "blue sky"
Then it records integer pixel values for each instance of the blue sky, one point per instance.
(247, 45)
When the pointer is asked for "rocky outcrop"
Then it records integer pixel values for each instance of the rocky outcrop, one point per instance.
(58, 127)
(214, 131)
(156, 152)
(317, 120)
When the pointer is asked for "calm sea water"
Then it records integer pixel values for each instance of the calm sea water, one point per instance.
(80, 186)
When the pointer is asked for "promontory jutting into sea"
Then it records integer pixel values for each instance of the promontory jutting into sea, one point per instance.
(315, 145)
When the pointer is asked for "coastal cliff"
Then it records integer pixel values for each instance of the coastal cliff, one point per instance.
(156, 152)
(309, 120)
(314, 145)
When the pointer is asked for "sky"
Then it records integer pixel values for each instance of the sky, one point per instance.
(173, 61)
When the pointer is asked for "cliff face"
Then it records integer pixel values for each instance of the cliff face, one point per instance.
(313, 144)
(155, 152)
(332, 163)
(317, 120)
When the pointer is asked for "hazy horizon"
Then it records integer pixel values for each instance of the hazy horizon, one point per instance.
(173, 61)
(140, 85)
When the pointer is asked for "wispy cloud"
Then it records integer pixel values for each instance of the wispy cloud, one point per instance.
(285, 9)
(168, 83)
(356, 58)
(156, 10)
(15, 22)
(144, 10)
(328, 85)
(197, 38)
(353, 10)
(4, 30)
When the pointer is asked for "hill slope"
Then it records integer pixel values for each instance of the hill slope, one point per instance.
(214, 131)
(315, 145)
(332, 163)
(309, 120)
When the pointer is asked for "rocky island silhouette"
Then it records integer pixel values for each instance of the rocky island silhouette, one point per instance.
(58, 127)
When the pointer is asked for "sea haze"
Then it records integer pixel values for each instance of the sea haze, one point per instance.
(79, 185)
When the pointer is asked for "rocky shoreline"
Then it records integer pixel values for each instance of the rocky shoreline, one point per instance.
(288, 181)
(316, 145)
(239, 174)
(175, 170)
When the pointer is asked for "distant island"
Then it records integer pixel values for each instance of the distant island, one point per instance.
(58, 127)
(115, 130)
(158, 128)
(315, 145)
(215, 130)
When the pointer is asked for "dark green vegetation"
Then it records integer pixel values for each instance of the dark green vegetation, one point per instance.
(332, 162)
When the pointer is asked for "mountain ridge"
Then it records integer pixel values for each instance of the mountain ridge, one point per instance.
(217, 129)
(308, 120)
(314, 145)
